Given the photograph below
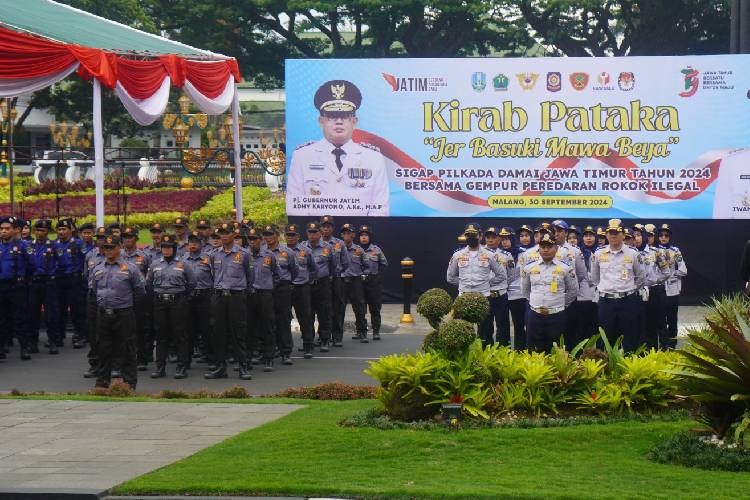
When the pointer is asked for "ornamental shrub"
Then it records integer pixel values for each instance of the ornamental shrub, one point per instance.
(455, 336)
(430, 341)
(472, 307)
(433, 305)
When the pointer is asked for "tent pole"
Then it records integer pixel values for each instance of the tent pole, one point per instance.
(237, 159)
(98, 154)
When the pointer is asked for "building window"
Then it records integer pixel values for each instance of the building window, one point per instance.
(169, 144)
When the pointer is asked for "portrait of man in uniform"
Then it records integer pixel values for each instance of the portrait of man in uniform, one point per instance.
(336, 175)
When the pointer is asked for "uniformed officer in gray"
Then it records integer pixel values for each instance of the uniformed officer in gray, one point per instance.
(93, 259)
(282, 291)
(230, 265)
(349, 178)
(472, 268)
(307, 271)
(199, 303)
(373, 285)
(321, 289)
(618, 273)
(550, 286)
(141, 261)
(261, 316)
(171, 281)
(116, 285)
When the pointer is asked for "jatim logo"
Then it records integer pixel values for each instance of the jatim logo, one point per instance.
(691, 81)
(406, 84)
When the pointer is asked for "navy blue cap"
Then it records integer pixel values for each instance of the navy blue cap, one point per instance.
(560, 223)
(6, 220)
(67, 222)
(472, 227)
(43, 224)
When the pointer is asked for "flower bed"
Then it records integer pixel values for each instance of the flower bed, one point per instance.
(61, 186)
(183, 202)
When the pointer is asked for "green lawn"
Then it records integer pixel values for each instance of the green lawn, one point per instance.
(307, 453)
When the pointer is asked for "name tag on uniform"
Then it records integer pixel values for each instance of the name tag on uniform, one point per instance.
(316, 167)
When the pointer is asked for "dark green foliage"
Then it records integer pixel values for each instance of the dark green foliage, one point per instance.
(430, 341)
(472, 307)
(433, 305)
(455, 336)
(687, 449)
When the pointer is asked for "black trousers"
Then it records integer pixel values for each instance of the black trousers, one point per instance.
(544, 330)
(338, 308)
(282, 308)
(354, 295)
(619, 317)
(518, 314)
(321, 302)
(261, 320)
(582, 315)
(171, 329)
(669, 341)
(144, 349)
(71, 298)
(116, 339)
(199, 322)
(499, 320)
(91, 332)
(13, 300)
(303, 312)
(43, 294)
(373, 288)
(230, 323)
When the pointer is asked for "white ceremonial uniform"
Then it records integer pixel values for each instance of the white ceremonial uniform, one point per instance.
(472, 270)
(732, 195)
(317, 186)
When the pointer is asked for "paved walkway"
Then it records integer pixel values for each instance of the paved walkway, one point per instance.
(89, 447)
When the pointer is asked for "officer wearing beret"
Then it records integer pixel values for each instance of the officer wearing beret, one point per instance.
(618, 273)
(282, 290)
(373, 286)
(230, 266)
(550, 285)
(116, 285)
(42, 288)
(13, 290)
(307, 271)
(199, 302)
(321, 288)
(349, 177)
(69, 279)
(171, 281)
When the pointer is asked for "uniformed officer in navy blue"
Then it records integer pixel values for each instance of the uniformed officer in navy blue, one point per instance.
(180, 234)
(42, 289)
(320, 288)
(230, 265)
(282, 291)
(262, 318)
(26, 231)
(550, 286)
(199, 303)
(69, 279)
(93, 258)
(116, 285)
(171, 282)
(154, 249)
(353, 278)
(307, 271)
(338, 304)
(373, 285)
(13, 290)
(203, 230)
(86, 232)
(618, 273)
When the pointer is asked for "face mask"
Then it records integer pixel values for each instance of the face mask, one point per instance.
(472, 241)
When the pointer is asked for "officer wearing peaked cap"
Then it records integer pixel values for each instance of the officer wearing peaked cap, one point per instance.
(13, 289)
(373, 286)
(673, 285)
(307, 272)
(116, 285)
(585, 316)
(338, 305)
(352, 277)
(70, 259)
(550, 286)
(42, 288)
(261, 312)
(199, 302)
(618, 273)
(321, 287)
(93, 258)
(282, 291)
(335, 167)
(498, 288)
(140, 260)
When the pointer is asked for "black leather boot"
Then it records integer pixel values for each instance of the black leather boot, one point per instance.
(180, 372)
(245, 372)
(219, 372)
(160, 372)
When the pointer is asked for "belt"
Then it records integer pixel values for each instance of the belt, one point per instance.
(616, 295)
(283, 283)
(108, 311)
(201, 292)
(546, 311)
(301, 285)
(496, 293)
(10, 281)
(227, 293)
(325, 279)
(349, 279)
(658, 285)
(168, 297)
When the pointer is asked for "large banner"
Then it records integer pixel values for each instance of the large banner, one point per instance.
(642, 137)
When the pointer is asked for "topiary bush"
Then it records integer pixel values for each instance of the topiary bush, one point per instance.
(433, 305)
(430, 341)
(472, 307)
(455, 336)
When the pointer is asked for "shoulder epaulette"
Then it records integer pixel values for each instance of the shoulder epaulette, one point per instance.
(369, 146)
(304, 144)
